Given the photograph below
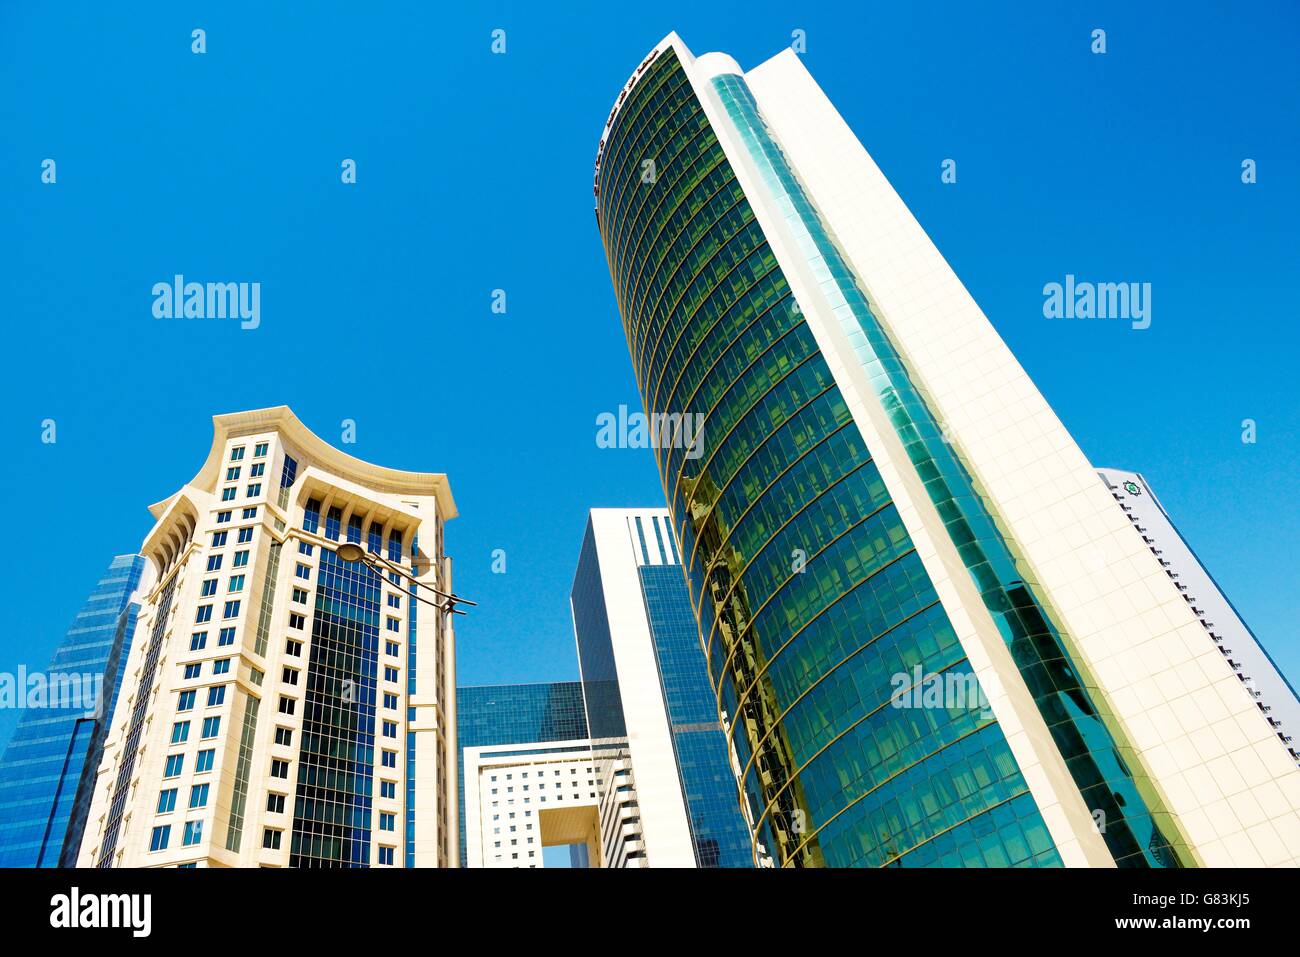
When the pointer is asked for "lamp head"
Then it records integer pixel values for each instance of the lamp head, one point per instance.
(350, 552)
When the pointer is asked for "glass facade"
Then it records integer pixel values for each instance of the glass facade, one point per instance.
(488, 715)
(807, 587)
(718, 832)
(332, 810)
(47, 774)
(605, 718)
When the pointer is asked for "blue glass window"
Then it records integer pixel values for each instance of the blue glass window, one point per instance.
(159, 837)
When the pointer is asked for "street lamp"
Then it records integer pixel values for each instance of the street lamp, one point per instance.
(352, 552)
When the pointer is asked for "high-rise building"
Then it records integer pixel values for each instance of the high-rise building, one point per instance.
(934, 638)
(1231, 636)
(667, 795)
(525, 772)
(47, 773)
(282, 706)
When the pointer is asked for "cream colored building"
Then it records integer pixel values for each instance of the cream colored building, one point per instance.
(281, 707)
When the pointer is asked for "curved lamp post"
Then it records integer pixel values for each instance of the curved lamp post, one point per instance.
(352, 552)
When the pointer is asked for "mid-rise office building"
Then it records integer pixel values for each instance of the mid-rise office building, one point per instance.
(933, 637)
(282, 706)
(667, 795)
(47, 773)
(526, 779)
(1223, 625)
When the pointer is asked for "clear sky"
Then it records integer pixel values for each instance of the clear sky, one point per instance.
(474, 174)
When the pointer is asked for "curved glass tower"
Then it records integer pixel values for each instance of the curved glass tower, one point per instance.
(899, 685)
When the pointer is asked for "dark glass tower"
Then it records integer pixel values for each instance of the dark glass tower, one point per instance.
(47, 774)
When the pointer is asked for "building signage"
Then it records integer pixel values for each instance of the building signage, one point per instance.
(618, 104)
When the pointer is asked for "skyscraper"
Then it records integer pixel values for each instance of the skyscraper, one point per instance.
(934, 639)
(661, 759)
(282, 706)
(48, 769)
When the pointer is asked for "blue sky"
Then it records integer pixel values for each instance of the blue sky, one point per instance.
(474, 174)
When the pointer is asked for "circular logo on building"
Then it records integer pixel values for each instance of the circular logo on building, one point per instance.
(1132, 488)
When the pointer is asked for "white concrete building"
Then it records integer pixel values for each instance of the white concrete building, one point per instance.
(521, 798)
(282, 707)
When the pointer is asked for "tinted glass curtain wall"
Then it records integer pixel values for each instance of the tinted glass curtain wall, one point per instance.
(48, 769)
(718, 832)
(810, 594)
(336, 764)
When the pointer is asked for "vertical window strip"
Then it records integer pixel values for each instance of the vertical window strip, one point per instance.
(239, 797)
(268, 600)
(288, 475)
(640, 531)
(659, 541)
(412, 604)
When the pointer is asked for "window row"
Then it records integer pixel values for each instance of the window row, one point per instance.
(220, 666)
(259, 451)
